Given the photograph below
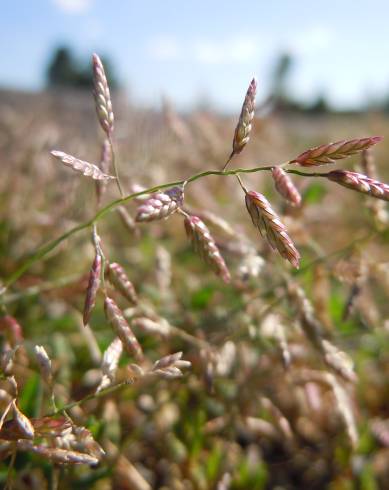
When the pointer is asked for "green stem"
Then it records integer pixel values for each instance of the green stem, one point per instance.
(91, 396)
(48, 247)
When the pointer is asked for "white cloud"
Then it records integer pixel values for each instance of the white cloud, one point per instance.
(165, 48)
(205, 51)
(74, 6)
(311, 41)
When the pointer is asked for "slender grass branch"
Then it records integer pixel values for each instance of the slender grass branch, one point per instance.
(42, 251)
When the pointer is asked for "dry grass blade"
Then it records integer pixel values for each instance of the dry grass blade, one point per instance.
(122, 329)
(102, 96)
(205, 246)
(330, 152)
(285, 186)
(80, 166)
(360, 183)
(269, 225)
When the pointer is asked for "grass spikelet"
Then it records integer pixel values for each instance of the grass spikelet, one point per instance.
(121, 283)
(330, 152)
(12, 329)
(339, 361)
(344, 408)
(102, 96)
(360, 183)
(44, 363)
(58, 456)
(110, 363)
(23, 424)
(205, 246)
(160, 327)
(285, 186)
(160, 205)
(269, 225)
(170, 366)
(243, 128)
(93, 287)
(80, 166)
(122, 329)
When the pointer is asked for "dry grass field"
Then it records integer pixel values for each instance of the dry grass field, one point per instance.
(287, 380)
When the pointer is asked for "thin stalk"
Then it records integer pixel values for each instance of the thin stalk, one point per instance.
(115, 167)
(42, 251)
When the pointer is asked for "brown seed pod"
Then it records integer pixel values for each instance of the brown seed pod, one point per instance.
(285, 186)
(93, 287)
(102, 96)
(122, 329)
(360, 183)
(121, 283)
(161, 205)
(269, 225)
(205, 246)
(328, 153)
(84, 168)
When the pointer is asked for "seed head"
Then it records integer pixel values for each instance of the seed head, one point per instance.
(110, 363)
(205, 246)
(121, 283)
(102, 96)
(23, 424)
(328, 153)
(285, 186)
(44, 363)
(269, 225)
(360, 183)
(80, 166)
(93, 287)
(161, 205)
(243, 128)
(122, 329)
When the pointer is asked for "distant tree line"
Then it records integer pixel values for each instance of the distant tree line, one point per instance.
(64, 70)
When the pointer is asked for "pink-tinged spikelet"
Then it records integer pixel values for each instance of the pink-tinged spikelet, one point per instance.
(205, 246)
(122, 329)
(360, 183)
(243, 128)
(12, 329)
(269, 225)
(80, 166)
(328, 153)
(93, 287)
(121, 283)
(285, 186)
(161, 205)
(102, 96)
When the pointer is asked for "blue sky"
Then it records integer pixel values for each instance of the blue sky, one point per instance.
(189, 50)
